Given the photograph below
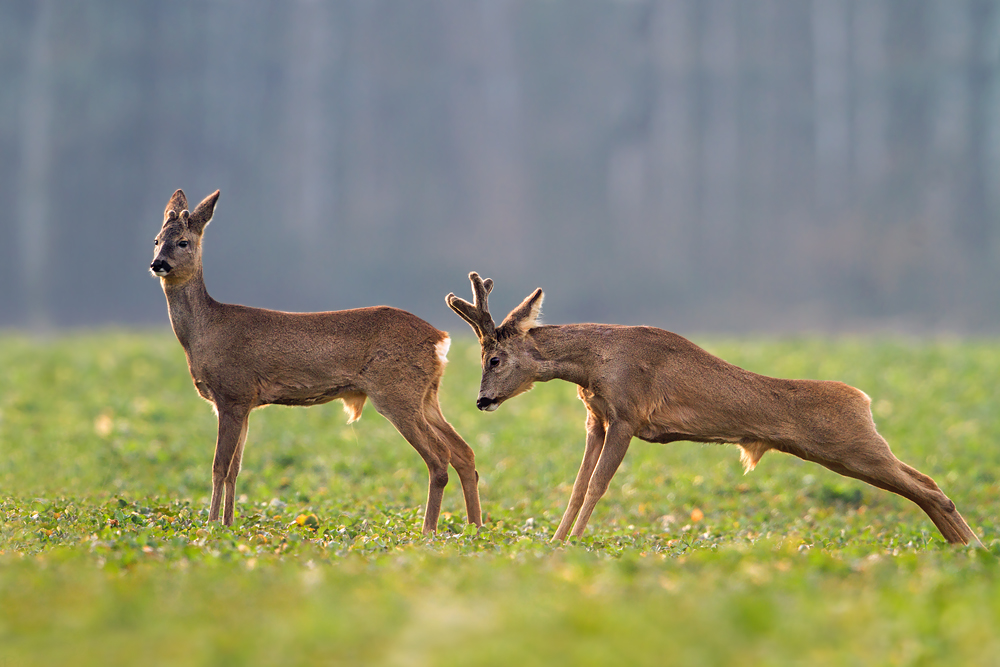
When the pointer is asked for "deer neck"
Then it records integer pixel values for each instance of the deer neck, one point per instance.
(189, 306)
(563, 354)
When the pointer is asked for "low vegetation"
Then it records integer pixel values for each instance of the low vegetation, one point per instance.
(107, 557)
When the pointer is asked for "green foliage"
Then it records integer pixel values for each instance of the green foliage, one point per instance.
(106, 553)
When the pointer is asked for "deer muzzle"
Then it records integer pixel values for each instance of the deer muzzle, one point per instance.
(487, 404)
(160, 267)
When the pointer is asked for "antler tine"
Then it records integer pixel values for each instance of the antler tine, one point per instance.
(477, 313)
(480, 293)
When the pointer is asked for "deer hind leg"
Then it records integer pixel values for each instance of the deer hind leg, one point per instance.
(873, 462)
(228, 457)
(463, 459)
(413, 426)
(942, 512)
(616, 441)
(595, 443)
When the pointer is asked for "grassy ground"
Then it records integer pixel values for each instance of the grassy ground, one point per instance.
(106, 556)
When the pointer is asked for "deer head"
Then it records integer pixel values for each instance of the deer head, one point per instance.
(177, 254)
(510, 361)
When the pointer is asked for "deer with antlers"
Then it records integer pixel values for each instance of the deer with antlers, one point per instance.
(243, 358)
(657, 386)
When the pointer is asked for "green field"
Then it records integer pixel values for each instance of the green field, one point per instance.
(106, 557)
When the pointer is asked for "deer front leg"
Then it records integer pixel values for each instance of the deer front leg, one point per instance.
(228, 456)
(616, 441)
(595, 443)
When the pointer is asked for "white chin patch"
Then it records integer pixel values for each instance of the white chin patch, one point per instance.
(160, 273)
(492, 406)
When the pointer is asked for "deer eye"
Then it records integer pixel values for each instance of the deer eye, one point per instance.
(182, 244)
(494, 362)
(156, 242)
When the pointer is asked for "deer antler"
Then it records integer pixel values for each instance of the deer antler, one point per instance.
(477, 313)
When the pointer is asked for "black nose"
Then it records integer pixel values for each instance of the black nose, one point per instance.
(484, 402)
(159, 266)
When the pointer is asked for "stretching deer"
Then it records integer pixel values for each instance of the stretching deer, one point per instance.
(657, 386)
(243, 358)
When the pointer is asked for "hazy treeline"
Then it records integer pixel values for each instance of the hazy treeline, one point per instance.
(698, 164)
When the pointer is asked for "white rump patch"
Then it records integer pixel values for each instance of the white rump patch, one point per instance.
(441, 349)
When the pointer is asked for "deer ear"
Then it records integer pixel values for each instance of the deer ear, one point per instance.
(202, 214)
(526, 315)
(178, 202)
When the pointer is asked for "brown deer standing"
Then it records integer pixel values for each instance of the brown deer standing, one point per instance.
(657, 386)
(243, 358)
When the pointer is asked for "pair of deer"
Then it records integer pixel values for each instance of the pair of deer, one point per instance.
(635, 382)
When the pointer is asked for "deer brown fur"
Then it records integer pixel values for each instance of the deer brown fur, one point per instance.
(657, 386)
(243, 358)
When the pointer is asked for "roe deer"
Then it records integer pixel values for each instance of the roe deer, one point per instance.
(657, 386)
(242, 358)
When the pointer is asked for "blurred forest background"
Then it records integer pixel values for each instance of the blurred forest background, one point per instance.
(701, 165)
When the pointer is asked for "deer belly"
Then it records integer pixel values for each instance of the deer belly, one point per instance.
(286, 395)
(683, 425)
